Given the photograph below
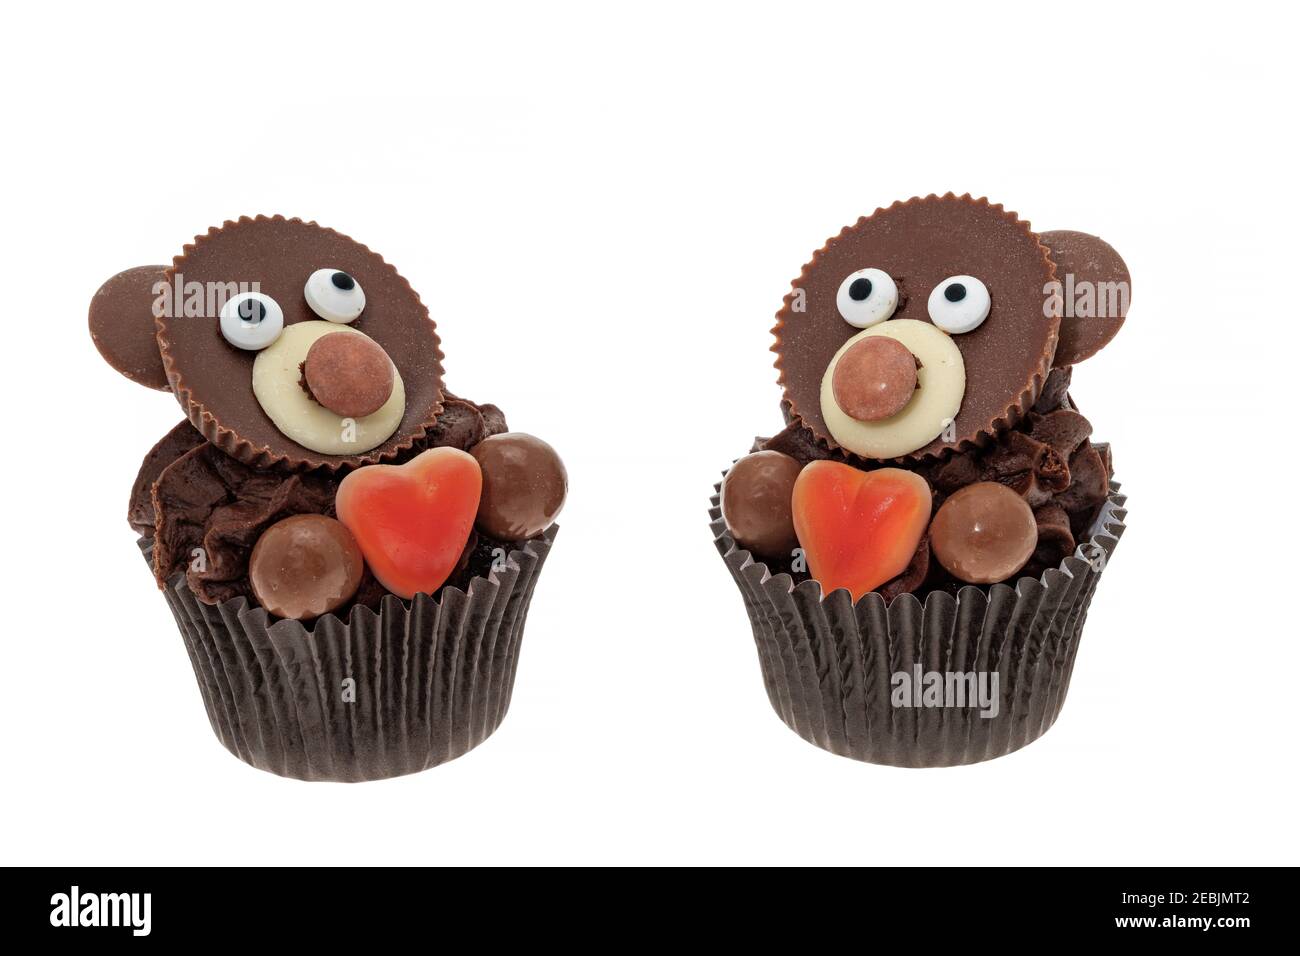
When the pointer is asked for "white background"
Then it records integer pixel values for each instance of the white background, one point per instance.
(603, 210)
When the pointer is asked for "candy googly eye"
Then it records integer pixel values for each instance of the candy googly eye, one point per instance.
(251, 321)
(866, 297)
(334, 295)
(959, 304)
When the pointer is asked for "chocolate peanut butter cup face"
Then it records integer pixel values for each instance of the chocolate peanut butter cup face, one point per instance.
(312, 352)
(921, 329)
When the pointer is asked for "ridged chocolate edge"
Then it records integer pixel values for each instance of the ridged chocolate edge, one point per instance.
(1008, 419)
(227, 439)
(433, 676)
(827, 663)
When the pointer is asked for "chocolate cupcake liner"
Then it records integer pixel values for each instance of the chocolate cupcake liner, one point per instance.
(431, 678)
(829, 665)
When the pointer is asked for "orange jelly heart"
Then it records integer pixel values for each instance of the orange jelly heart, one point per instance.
(858, 529)
(412, 521)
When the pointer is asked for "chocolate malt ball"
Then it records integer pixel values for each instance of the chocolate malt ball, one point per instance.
(524, 486)
(305, 566)
(756, 503)
(984, 533)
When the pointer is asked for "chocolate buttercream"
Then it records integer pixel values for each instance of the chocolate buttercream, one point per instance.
(1047, 459)
(140, 510)
(201, 498)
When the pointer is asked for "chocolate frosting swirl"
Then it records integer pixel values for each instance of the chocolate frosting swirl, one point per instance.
(191, 495)
(1047, 458)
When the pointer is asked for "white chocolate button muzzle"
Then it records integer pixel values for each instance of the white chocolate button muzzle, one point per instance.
(941, 383)
(277, 377)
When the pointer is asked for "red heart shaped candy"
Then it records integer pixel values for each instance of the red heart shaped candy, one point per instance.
(412, 521)
(858, 529)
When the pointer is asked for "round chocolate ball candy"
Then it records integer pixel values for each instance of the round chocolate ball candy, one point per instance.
(983, 533)
(756, 503)
(874, 379)
(305, 566)
(524, 486)
(349, 374)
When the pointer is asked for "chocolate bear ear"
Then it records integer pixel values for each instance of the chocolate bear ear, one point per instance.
(1095, 288)
(122, 325)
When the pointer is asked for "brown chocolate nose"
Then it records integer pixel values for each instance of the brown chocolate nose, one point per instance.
(349, 374)
(874, 378)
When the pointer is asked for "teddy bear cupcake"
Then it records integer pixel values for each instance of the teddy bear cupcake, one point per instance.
(918, 547)
(349, 549)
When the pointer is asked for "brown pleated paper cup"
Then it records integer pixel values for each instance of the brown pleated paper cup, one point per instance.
(378, 695)
(852, 678)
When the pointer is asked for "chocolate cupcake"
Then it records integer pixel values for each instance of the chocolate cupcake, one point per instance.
(918, 547)
(349, 550)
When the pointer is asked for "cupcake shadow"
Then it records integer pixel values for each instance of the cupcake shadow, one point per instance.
(380, 694)
(855, 679)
